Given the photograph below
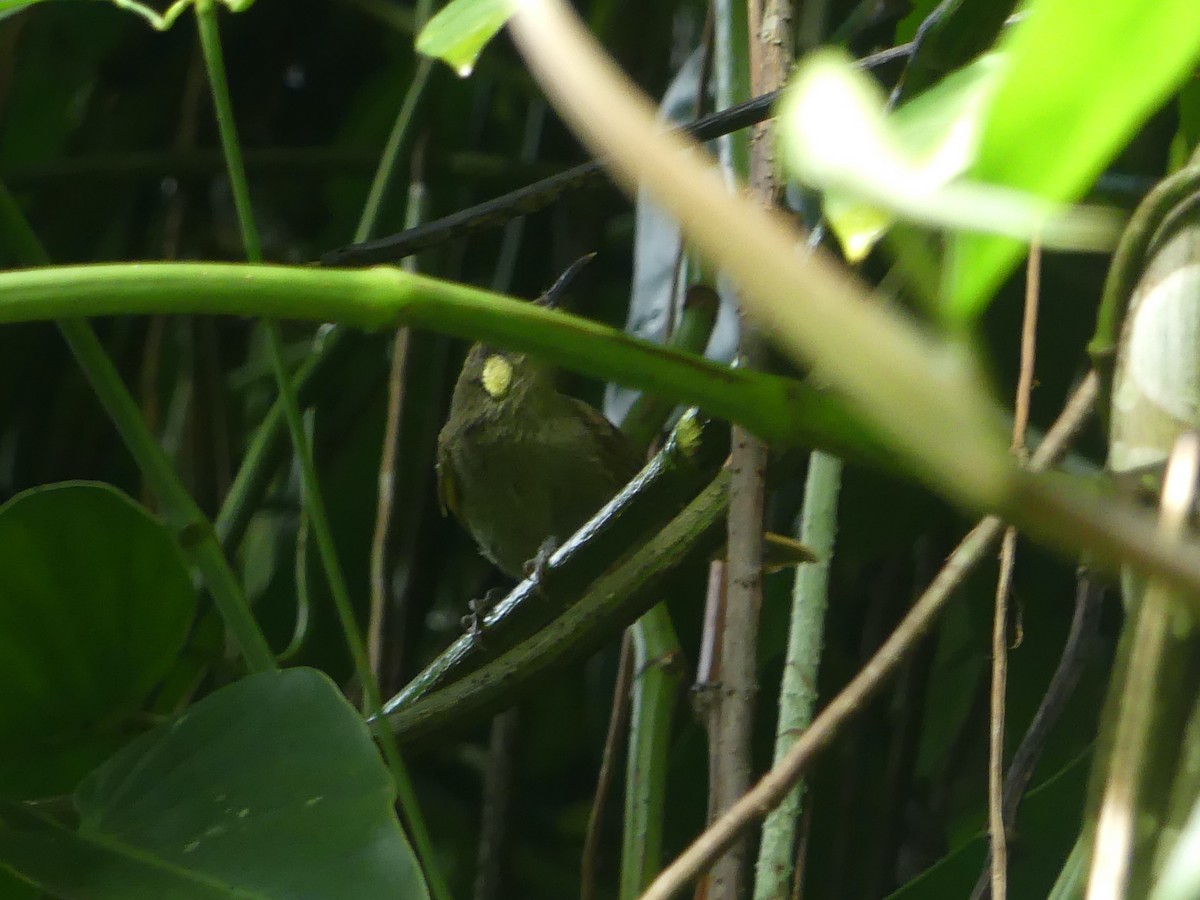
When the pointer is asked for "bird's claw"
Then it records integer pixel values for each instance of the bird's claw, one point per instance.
(472, 622)
(536, 567)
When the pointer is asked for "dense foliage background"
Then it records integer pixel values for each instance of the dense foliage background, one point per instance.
(108, 141)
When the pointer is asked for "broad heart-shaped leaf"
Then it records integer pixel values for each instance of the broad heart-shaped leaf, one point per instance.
(1081, 76)
(269, 788)
(95, 603)
(460, 31)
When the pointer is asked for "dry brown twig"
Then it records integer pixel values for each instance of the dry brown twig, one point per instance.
(997, 825)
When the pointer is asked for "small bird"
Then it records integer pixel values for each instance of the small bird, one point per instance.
(522, 465)
(519, 463)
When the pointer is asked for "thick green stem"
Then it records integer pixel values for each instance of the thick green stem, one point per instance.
(781, 410)
(655, 694)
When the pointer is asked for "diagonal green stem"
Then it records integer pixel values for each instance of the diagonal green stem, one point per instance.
(210, 42)
(187, 523)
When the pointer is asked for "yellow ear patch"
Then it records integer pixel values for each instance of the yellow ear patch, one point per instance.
(497, 376)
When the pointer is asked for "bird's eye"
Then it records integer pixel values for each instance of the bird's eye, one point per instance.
(497, 376)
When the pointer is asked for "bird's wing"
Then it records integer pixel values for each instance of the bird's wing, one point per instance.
(447, 487)
(614, 446)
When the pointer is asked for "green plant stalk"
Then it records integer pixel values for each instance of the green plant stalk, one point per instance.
(732, 75)
(1145, 731)
(798, 694)
(783, 411)
(655, 694)
(268, 443)
(1139, 770)
(187, 523)
(300, 577)
(1144, 718)
(397, 138)
(318, 519)
(210, 43)
(193, 531)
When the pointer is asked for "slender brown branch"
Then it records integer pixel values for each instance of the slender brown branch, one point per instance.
(1077, 649)
(769, 30)
(998, 693)
(1033, 273)
(997, 825)
(386, 498)
(775, 785)
(391, 444)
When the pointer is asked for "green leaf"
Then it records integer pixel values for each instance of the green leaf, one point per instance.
(269, 788)
(874, 165)
(909, 164)
(1079, 79)
(460, 31)
(11, 7)
(95, 603)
